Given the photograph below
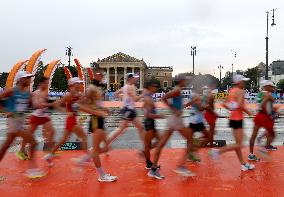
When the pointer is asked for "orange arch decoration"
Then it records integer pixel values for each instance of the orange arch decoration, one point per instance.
(48, 73)
(10, 82)
(33, 64)
(67, 73)
(80, 73)
(91, 73)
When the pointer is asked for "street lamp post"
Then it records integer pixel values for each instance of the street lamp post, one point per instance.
(272, 24)
(220, 68)
(193, 53)
(69, 54)
(234, 53)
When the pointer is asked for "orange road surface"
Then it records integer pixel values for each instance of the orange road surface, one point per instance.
(223, 178)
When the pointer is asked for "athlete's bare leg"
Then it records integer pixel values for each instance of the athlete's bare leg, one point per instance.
(253, 138)
(113, 135)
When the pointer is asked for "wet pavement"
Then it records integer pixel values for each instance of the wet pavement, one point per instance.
(222, 178)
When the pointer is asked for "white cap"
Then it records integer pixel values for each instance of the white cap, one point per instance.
(238, 78)
(22, 74)
(74, 80)
(267, 83)
(205, 87)
(131, 75)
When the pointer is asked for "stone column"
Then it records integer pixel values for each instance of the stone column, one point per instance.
(115, 74)
(107, 75)
(132, 69)
(124, 76)
(141, 78)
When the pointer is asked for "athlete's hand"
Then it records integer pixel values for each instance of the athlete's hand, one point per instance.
(249, 113)
(178, 113)
(106, 110)
(70, 114)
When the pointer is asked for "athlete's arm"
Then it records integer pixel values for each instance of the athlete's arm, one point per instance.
(171, 94)
(148, 105)
(210, 103)
(241, 102)
(87, 109)
(35, 102)
(225, 104)
(118, 93)
(6, 93)
(59, 103)
(131, 92)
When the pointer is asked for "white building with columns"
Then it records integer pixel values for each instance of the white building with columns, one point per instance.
(118, 65)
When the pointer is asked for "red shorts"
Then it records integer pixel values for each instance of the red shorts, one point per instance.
(263, 120)
(36, 121)
(71, 121)
(210, 117)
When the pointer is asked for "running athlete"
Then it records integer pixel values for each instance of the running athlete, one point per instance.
(150, 114)
(235, 102)
(196, 120)
(72, 101)
(128, 110)
(93, 100)
(17, 104)
(40, 116)
(209, 114)
(175, 123)
(264, 118)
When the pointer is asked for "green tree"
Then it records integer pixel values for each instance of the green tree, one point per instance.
(3, 79)
(280, 84)
(59, 80)
(253, 74)
(39, 74)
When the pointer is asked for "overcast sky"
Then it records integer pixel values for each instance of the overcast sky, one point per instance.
(159, 31)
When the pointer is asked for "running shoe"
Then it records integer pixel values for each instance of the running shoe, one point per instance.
(270, 147)
(183, 171)
(214, 153)
(264, 152)
(247, 166)
(81, 161)
(252, 157)
(35, 173)
(48, 158)
(192, 157)
(21, 155)
(2, 178)
(155, 174)
(107, 178)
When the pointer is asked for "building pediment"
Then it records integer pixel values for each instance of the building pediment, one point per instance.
(120, 57)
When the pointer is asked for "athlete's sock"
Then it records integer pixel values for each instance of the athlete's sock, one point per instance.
(101, 171)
